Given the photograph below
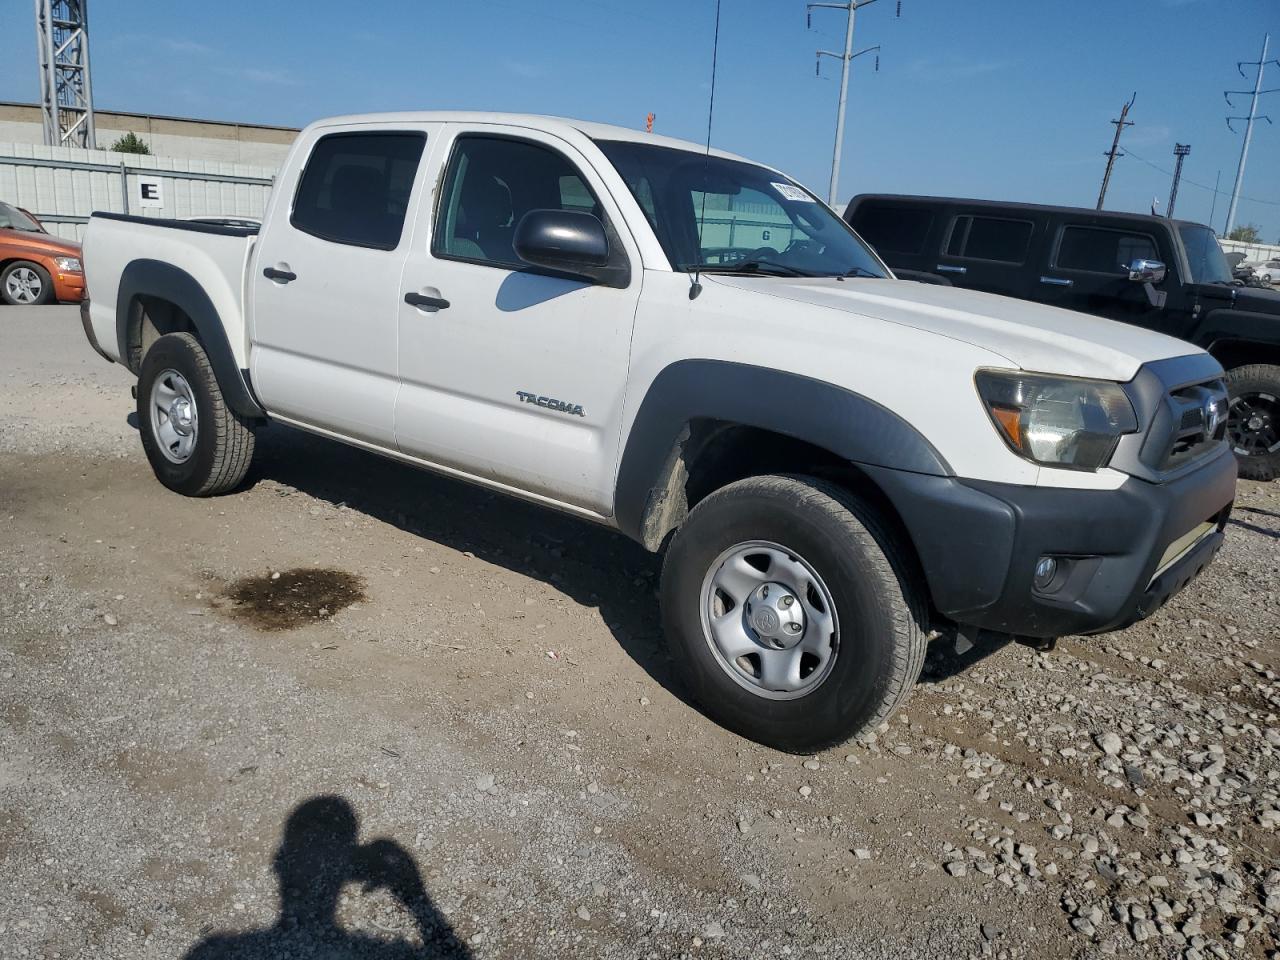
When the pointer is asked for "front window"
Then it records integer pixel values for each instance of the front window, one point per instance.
(727, 216)
(14, 219)
(1205, 257)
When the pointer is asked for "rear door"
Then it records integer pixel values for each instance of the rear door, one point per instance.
(327, 280)
(1087, 270)
(981, 251)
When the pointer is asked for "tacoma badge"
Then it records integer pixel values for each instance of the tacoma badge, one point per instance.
(551, 404)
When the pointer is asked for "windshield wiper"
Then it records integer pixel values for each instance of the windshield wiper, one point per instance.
(762, 267)
(861, 272)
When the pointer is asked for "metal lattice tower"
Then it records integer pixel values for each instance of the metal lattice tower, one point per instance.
(66, 97)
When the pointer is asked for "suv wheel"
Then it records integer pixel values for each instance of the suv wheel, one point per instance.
(790, 612)
(1253, 419)
(197, 445)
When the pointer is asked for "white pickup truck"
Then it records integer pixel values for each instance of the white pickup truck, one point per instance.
(692, 349)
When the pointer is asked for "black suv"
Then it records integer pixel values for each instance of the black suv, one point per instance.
(1167, 275)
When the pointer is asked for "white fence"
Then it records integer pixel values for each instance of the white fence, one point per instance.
(63, 185)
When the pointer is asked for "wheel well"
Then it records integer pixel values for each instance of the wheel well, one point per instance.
(149, 319)
(1239, 353)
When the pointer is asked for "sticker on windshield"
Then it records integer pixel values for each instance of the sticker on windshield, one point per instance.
(790, 191)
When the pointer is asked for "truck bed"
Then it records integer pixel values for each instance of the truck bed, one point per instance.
(212, 256)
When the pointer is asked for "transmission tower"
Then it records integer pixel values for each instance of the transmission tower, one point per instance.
(1255, 93)
(851, 8)
(1180, 150)
(66, 97)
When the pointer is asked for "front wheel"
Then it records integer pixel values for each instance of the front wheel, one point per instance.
(791, 613)
(1253, 419)
(24, 284)
(197, 445)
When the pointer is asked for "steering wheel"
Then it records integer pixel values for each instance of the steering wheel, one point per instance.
(763, 254)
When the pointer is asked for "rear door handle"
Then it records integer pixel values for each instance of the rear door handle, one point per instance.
(947, 268)
(1056, 281)
(426, 302)
(283, 276)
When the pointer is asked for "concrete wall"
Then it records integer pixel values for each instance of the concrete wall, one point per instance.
(1252, 251)
(166, 136)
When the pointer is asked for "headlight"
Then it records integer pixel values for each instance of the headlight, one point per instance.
(1057, 421)
(69, 264)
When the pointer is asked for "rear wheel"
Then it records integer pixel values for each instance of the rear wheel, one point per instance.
(197, 445)
(24, 284)
(1253, 419)
(790, 612)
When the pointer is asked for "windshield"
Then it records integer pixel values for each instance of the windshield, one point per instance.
(727, 216)
(1204, 256)
(14, 219)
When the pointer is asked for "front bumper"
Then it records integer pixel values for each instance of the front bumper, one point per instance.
(68, 287)
(1125, 551)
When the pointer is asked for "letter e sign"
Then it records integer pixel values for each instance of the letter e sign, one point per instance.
(150, 192)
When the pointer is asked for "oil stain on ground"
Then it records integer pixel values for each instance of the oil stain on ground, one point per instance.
(293, 598)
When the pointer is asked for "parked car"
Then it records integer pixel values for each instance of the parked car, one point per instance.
(1167, 275)
(692, 349)
(36, 267)
(1268, 271)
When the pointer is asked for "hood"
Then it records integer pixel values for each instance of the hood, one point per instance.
(1029, 335)
(1257, 300)
(16, 242)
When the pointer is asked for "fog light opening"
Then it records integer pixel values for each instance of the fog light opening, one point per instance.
(1045, 572)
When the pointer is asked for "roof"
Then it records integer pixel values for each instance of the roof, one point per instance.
(560, 125)
(1013, 205)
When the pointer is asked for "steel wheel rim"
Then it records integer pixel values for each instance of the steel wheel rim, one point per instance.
(750, 636)
(24, 285)
(174, 419)
(1253, 424)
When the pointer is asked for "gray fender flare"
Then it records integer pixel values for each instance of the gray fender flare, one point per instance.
(154, 278)
(845, 423)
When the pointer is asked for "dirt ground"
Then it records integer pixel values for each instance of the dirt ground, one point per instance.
(359, 710)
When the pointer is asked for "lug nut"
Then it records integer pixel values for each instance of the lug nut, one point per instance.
(788, 600)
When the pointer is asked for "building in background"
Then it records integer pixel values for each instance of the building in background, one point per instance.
(177, 137)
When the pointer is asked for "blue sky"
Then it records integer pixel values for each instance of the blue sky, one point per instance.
(1003, 99)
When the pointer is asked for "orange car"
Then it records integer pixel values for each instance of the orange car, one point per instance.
(36, 267)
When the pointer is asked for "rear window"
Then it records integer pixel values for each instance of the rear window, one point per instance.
(1103, 250)
(893, 229)
(990, 238)
(355, 188)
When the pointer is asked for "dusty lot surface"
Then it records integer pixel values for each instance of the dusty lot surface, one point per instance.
(484, 752)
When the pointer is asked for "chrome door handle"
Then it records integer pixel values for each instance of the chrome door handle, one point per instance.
(1056, 281)
(947, 268)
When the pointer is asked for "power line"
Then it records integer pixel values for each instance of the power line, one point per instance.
(1196, 183)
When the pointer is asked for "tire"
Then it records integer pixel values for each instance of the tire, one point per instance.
(834, 543)
(25, 284)
(214, 445)
(1253, 419)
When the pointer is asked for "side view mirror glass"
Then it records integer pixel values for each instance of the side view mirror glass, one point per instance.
(1146, 271)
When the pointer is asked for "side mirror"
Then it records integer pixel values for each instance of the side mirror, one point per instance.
(1146, 271)
(566, 241)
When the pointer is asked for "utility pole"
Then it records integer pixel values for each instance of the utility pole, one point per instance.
(851, 9)
(66, 96)
(1180, 150)
(1248, 126)
(1115, 147)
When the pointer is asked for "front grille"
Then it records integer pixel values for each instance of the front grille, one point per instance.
(1197, 422)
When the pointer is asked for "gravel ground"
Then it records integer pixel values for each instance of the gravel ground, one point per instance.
(460, 736)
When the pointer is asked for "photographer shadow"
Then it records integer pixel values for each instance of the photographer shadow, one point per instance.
(319, 854)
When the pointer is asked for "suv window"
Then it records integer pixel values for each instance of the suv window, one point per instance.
(1103, 250)
(355, 188)
(990, 238)
(893, 229)
(491, 183)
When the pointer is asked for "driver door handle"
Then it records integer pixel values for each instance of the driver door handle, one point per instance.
(283, 276)
(424, 301)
